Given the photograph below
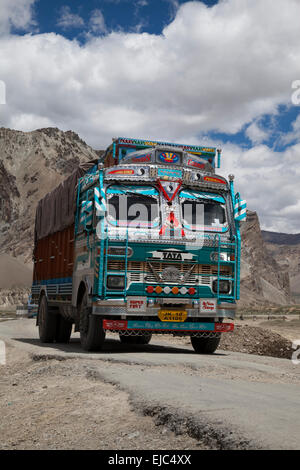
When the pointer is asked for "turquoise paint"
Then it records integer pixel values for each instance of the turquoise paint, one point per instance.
(238, 244)
(143, 190)
(99, 281)
(188, 194)
(161, 172)
(183, 326)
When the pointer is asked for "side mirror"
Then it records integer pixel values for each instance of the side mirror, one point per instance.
(100, 204)
(240, 209)
(86, 215)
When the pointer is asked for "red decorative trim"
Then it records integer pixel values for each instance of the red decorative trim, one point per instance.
(115, 324)
(212, 179)
(179, 184)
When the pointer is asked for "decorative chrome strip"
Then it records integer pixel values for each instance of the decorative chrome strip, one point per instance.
(153, 312)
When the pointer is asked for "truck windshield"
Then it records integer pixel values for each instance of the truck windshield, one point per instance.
(202, 211)
(133, 206)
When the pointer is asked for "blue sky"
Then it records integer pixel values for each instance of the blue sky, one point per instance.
(201, 72)
(150, 15)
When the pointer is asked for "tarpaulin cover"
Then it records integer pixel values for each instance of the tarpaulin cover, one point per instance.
(56, 211)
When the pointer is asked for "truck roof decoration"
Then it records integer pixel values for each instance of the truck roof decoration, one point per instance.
(170, 153)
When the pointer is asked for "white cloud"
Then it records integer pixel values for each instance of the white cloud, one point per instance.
(218, 68)
(213, 68)
(97, 22)
(294, 135)
(142, 3)
(16, 14)
(256, 134)
(269, 181)
(68, 19)
(174, 6)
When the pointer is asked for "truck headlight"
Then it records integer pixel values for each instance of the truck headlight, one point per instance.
(116, 282)
(223, 256)
(224, 286)
(119, 251)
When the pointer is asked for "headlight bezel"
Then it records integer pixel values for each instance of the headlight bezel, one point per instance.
(222, 290)
(112, 279)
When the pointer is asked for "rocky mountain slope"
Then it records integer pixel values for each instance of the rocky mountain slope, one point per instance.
(285, 248)
(33, 163)
(263, 280)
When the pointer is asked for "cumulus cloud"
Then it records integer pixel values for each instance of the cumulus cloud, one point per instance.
(16, 14)
(294, 135)
(68, 19)
(211, 69)
(256, 133)
(97, 22)
(269, 181)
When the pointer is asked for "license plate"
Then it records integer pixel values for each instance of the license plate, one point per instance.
(208, 306)
(172, 315)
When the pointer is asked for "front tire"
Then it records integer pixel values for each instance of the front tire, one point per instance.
(92, 335)
(63, 330)
(47, 321)
(136, 339)
(205, 345)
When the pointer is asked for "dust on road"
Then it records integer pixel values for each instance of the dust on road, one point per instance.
(159, 396)
(59, 404)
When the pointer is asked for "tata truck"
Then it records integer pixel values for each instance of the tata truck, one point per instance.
(145, 240)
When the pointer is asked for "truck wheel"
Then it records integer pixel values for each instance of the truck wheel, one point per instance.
(47, 322)
(205, 345)
(136, 339)
(63, 330)
(92, 335)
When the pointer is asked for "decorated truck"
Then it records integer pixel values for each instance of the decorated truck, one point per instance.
(143, 241)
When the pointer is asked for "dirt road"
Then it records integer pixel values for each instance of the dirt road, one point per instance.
(159, 396)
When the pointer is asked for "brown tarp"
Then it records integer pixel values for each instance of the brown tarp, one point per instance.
(56, 211)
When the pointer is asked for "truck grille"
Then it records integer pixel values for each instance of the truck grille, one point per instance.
(139, 271)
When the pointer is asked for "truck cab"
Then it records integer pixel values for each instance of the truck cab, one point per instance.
(157, 245)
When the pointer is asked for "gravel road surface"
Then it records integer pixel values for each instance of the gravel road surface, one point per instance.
(159, 396)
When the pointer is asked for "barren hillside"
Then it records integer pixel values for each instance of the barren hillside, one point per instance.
(31, 164)
(285, 248)
(263, 280)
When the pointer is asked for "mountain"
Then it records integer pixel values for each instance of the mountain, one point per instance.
(263, 279)
(277, 238)
(33, 163)
(285, 248)
(15, 280)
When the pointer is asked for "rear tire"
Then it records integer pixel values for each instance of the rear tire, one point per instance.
(205, 345)
(138, 339)
(63, 330)
(92, 335)
(47, 321)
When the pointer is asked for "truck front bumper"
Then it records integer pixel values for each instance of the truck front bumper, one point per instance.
(115, 307)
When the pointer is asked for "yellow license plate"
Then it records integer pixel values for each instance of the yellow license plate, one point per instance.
(172, 315)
